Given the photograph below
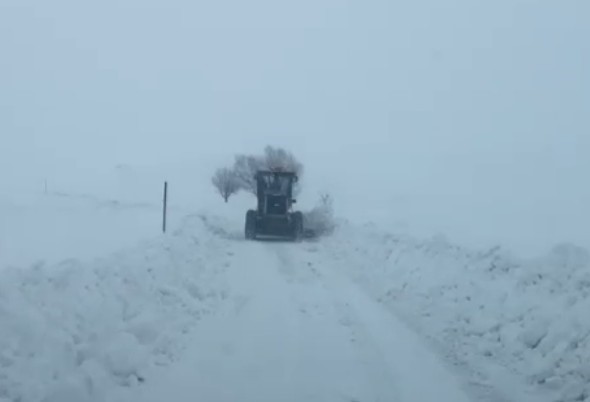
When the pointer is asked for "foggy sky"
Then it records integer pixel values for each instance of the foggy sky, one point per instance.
(469, 116)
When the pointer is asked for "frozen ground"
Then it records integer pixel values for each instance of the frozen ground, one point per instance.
(362, 315)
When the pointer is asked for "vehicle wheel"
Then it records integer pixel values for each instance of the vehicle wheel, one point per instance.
(297, 226)
(250, 227)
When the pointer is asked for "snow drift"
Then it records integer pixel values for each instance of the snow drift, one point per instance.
(497, 316)
(69, 332)
(320, 221)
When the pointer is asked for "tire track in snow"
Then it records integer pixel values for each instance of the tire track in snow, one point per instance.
(373, 378)
(249, 350)
(399, 366)
(294, 331)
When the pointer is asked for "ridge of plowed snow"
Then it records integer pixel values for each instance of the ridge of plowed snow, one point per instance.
(71, 331)
(500, 317)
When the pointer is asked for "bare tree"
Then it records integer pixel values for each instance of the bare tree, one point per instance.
(278, 158)
(246, 166)
(226, 182)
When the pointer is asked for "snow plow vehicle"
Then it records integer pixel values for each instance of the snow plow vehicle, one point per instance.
(274, 216)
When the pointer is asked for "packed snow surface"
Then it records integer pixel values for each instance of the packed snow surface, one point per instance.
(360, 315)
(297, 330)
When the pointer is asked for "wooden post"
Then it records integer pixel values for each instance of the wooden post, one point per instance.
(165, 206)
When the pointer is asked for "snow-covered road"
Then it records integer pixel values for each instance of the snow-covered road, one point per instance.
(360, 315)
(296, 329)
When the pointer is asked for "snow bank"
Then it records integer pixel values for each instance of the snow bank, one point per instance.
(496, 315)
(71, 331)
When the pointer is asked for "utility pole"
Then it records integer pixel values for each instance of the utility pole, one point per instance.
(165, 207)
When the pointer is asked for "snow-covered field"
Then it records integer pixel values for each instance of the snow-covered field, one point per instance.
(201, 314)
(38, 228)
